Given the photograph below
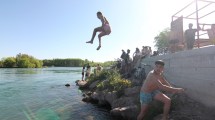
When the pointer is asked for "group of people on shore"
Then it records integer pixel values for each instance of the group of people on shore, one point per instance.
(154, 82)
(126, 62)
(86, 71)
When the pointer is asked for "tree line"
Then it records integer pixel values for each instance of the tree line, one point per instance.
(21, 61)
(27, 61)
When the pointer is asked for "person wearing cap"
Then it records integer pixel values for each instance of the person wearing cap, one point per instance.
(150, 90)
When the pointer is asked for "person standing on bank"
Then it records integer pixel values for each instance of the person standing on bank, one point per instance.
(104, 29)
(88, 71)
(82, 73)
(150, 90)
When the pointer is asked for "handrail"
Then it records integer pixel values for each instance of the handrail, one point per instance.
(199, 10)
(184, 8)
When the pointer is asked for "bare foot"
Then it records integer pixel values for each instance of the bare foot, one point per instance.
(98, 47)
(90, 42)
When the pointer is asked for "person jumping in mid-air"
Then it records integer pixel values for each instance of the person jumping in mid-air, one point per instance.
(104, 29)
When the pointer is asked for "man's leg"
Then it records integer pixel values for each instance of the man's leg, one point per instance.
(142, 113)
(99, 36)
(98, 29)
(189, 45)
(167, 103)
(192, 44)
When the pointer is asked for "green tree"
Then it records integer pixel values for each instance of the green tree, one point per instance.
(9, 62)
(69, 62)
(1, 64)
(27, 61)
(108, 63)
(161, 40)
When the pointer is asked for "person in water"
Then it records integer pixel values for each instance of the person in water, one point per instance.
(151, 90)
(104, 29)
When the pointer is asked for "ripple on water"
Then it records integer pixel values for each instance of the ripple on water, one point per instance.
(40, 94)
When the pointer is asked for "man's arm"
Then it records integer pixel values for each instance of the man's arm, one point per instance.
(168, 88)
(103, 21)
(164, 81)
(198, 29)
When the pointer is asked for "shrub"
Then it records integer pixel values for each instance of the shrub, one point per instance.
(114, 81)
(101, 76)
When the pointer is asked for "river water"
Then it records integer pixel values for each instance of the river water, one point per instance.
(40, 94)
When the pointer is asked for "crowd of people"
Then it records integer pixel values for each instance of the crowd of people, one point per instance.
(126, 62)
(86, 71)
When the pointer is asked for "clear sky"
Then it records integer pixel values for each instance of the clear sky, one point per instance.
(48, 29)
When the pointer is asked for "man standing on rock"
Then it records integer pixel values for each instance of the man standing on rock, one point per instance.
(151, 90)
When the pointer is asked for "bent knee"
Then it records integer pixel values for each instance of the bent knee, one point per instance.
(96, 29)
(100, 35)
(167, 101)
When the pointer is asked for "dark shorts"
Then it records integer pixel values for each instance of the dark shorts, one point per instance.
(82, 73)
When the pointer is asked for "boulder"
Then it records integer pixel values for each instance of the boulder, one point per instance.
(87, 99)
(128, 112)
(110, 97)
(104, 97)
(100, 96)
(93, 85)
(67, 85)
(123, 101)
(81, 83)
(132, 91)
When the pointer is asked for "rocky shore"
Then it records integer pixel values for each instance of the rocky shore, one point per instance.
(125, 104)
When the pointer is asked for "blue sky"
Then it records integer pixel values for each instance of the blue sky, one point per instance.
(48, 29)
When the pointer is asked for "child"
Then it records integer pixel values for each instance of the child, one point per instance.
(104, 29)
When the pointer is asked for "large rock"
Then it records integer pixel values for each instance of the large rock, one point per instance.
(127, 113)
(110, 97)
(123, 101)
(81, 83)
(93, 85)
(132, 91)
(104, 97)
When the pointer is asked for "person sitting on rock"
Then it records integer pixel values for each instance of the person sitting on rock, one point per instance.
(151, 90)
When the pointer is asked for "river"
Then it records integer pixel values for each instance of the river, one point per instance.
(40, 94)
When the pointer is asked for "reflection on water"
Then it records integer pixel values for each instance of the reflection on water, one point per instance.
(40, 94)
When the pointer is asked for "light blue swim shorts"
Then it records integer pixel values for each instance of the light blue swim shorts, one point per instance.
(146, 98)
